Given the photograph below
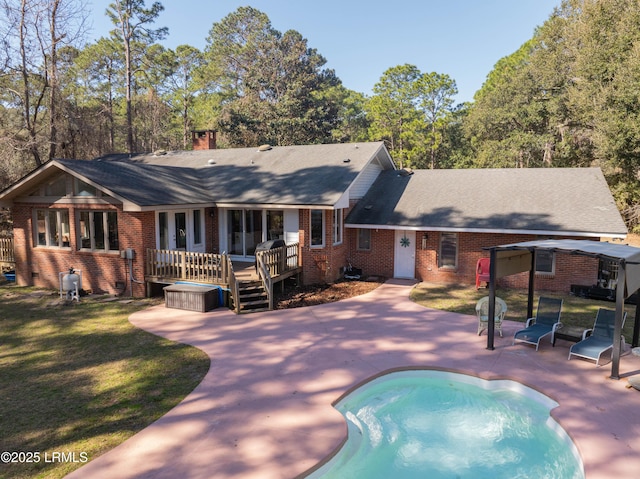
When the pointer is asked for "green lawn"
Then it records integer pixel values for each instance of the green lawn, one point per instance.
(462, 299)
(79, 378)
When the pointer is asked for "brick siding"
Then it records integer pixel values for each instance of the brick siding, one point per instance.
(326, 264)
(102, 272)
(108, 272)
(379, 260)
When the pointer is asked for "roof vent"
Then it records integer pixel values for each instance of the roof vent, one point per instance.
(264, 147)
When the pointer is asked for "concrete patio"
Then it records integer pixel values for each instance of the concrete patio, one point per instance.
(264, 408)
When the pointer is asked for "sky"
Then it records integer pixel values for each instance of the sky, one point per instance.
(360, 39)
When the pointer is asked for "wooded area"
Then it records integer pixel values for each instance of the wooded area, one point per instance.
(570, 96)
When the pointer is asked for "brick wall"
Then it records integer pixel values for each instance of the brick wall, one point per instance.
(377, 261)
(322, 265)
(211, 222)
(101, 272)
(569, 269)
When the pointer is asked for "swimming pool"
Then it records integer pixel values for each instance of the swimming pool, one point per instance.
(436, 424)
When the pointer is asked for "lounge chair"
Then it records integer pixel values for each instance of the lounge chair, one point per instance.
(482, 271)
(545, 323)
(601, 338)
(482, 312)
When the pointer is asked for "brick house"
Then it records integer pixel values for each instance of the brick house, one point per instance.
(434, 224)
(115, 217)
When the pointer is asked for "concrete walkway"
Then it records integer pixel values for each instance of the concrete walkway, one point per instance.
(264, 408)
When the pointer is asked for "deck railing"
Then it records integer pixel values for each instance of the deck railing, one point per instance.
(279, 261)
(6, 251)
(233, 287)
(164, 264)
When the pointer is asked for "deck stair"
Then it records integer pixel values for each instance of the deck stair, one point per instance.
(252, 296)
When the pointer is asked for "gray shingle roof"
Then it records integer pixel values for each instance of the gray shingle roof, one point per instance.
(288, 175)
(143, 184)
(562, 200)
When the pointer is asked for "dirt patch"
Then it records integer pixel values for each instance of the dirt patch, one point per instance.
(310, 295)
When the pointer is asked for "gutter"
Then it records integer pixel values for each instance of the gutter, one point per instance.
(585, 234)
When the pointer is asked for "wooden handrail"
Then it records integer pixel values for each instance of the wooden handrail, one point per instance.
(264, 274)
(281, 260)
(233, 285)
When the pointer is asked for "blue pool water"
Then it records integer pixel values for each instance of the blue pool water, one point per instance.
(435, 424)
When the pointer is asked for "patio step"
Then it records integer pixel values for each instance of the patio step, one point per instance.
(252, 297)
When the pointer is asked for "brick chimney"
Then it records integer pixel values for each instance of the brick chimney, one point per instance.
(203, 139)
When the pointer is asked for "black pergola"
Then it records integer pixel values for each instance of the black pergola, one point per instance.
(519, 257)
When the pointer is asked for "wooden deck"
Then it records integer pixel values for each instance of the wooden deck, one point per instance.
(271, 267)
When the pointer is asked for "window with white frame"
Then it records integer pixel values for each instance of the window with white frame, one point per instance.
(364, 239)
(337, 226)
(197, 226)
(163, 228)
(98, 230)
(51, 227)
(448, 257)
(317, 228)
(545, 262)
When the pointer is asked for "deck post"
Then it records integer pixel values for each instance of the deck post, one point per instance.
(183, 262)
(492, 299)
(636, 324)
(532, 283)
(617, 330)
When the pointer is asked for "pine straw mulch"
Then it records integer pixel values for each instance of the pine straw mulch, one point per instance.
(309, 295)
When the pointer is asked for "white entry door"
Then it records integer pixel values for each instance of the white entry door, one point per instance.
(405, 255)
